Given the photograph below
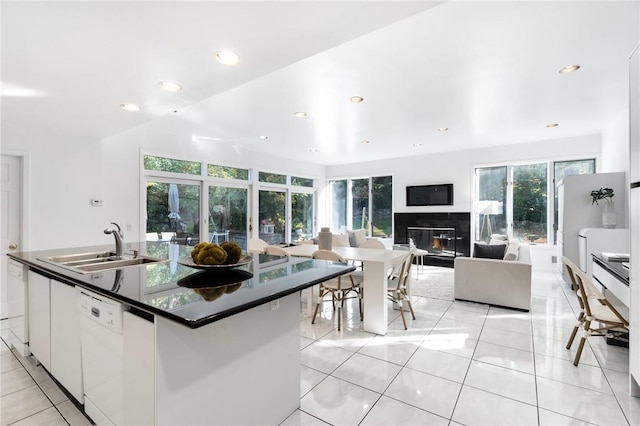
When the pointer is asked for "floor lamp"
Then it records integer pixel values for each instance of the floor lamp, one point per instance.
(487, 208)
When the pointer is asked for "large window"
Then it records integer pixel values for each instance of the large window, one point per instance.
(228, 209)
(362, 203)
(515, 199)
(173, 212)
(191, 201)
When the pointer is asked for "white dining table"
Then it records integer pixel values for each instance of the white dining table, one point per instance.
(376, 263)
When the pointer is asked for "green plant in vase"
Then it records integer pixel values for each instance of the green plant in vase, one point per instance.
(609, 219)
(602, 194)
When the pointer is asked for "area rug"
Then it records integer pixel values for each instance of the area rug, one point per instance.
(434, 282)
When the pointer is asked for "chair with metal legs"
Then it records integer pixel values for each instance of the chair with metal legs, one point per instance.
(338, 287)
(598, 317)
(397, 287)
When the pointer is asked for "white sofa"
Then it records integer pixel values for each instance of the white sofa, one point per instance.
(496, 282)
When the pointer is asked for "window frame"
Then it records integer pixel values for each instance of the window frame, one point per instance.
(551, 192)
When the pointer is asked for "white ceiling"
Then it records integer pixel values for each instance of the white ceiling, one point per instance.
(486, 70)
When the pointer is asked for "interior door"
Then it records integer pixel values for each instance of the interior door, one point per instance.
(10, 200)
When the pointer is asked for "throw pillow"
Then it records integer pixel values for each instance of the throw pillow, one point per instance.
(489, 251)
(498, 239)
(511, 253)
(340, 240)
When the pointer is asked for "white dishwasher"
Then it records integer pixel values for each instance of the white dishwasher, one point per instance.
(102, 357)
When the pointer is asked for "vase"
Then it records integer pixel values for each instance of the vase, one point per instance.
(324, 239)
(609, 219)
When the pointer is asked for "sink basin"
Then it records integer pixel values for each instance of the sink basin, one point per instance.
(96, 256)
(86, 263)
(116, 264)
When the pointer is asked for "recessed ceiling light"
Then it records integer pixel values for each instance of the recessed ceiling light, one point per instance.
(300, 114)
(130, 107)
(227, 58)
(170, 86)
(364, 142)
(552, 125)
(443, 129)
(357, 99)
(207, 138)
(313, 150)
(263, 137)
(568, 69)
(417, 144)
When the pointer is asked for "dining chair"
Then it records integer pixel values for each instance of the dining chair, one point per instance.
(600, 317)
(338, 287)
(256, 245)
(275, 251)
(397, 287)
(571, 267)
(370, 243)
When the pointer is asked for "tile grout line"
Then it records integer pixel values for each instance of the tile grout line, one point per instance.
(39, 387)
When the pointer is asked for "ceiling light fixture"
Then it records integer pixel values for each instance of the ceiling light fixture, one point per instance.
(552, 125)
(227, 57)
(357, 99)
(170, 86)
(417, 144)
(300, 114)
(130, 107)
(364, 142)
(568, 69)
(263, 137)
(443, 129)
(313, 150)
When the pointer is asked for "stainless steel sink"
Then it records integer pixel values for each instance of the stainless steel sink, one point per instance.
(116, 264)
(86, 263)
(80, 257)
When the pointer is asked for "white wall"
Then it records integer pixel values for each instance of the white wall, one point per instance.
(615, 145)
(66, 171)
(458, 167)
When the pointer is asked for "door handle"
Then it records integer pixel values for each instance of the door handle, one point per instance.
(13, 246)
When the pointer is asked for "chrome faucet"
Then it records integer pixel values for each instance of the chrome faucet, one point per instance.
(118, 235)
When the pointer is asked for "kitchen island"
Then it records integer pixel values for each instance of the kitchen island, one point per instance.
(191, 352)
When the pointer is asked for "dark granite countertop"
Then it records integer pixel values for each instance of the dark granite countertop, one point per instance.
(615, 268)
(190, 296)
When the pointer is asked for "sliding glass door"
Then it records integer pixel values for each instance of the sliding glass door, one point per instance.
(362, 203)
(173, 211)
(514, 200)
(228, 213)
(272, 215)
(491, 190)
(301, 216)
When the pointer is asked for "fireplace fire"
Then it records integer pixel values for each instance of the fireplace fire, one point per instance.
(436, 241)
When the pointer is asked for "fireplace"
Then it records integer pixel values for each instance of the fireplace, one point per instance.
(444, 236)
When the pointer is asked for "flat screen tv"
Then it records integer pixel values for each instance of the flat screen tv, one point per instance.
(430, 195)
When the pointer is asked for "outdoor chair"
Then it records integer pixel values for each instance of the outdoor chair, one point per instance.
(600, 317)
(397, 287)
(338, 287)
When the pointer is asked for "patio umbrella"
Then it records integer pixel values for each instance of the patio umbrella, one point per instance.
(174, 205)
(174, 254)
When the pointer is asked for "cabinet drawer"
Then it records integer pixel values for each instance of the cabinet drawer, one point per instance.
(614, 285)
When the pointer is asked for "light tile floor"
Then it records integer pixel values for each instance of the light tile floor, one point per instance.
(458, 364)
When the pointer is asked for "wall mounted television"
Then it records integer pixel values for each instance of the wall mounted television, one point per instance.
(430, 195)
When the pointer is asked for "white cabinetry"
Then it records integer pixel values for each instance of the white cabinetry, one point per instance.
(54, 333)
(139, 370)
(17, 307)
(39, 318)
(66, 360)
(634, 222)
(575, 210)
